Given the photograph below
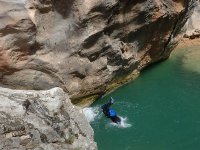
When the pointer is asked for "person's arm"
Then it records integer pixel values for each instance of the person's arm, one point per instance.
(107, 105)
(112, 100)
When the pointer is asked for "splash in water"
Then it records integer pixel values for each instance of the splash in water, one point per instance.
(122, 124)
(91, 113)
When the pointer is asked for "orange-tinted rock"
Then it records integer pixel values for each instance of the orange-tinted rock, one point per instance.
(4, 65)
(82, 45)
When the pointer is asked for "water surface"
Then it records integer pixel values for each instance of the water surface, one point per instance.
(161, 108)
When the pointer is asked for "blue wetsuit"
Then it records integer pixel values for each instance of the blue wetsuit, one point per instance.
(110, 113)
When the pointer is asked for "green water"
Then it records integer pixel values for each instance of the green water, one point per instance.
(162, 105)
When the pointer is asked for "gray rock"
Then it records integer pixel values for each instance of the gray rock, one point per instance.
(192, 26)
(42, 120)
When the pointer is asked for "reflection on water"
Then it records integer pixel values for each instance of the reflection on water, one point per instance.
(190, 58)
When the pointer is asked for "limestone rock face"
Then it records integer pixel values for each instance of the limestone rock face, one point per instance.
(42, 120)
(192, 26)
(82, 45)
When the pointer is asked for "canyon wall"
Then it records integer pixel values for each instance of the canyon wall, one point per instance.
(85, 47)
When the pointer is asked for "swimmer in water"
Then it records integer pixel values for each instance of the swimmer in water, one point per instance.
(110, 113)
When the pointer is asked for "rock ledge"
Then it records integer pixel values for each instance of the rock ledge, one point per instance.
(42, 120)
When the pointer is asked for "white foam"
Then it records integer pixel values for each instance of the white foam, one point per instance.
(91, 113)
(123, 123)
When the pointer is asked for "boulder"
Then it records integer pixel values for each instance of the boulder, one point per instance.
(42, 120)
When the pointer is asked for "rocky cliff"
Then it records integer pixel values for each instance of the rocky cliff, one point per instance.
(86, 47)
(192, 26)
(42, 120)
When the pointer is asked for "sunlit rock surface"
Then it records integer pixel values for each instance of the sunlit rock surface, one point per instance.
(193, 24)
(82, 45)
(42, 120)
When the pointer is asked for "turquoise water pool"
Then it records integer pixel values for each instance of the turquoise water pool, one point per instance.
(161, 108)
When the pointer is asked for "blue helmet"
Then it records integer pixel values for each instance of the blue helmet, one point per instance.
(112, 113)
